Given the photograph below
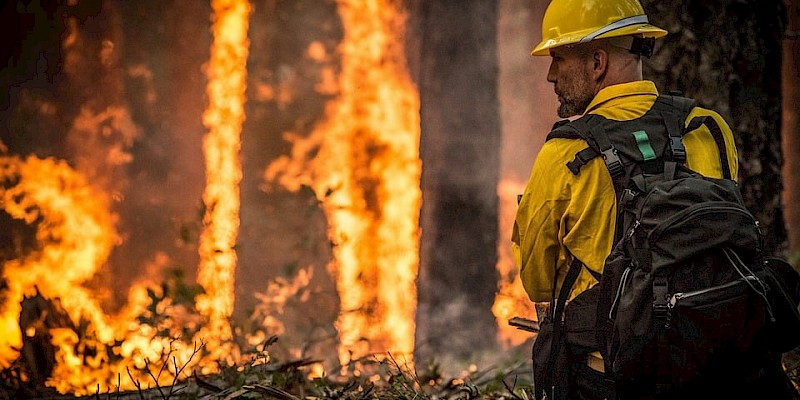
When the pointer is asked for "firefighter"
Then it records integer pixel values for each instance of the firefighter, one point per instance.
(596, 49)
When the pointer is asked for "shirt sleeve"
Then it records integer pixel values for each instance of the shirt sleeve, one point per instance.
(702, 152)
(559, 217)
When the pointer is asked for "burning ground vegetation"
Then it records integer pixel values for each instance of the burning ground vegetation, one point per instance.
(59, 341)
(254, 374)
(178, 369)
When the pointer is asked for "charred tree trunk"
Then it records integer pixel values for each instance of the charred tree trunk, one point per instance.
(38, 316)
(791, 127)
(457, 80)
(727, 55)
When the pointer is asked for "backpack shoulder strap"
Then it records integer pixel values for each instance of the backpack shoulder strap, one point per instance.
(682, 107)
(719, 139)
(675, 110)
(561, 130)
(589, 128)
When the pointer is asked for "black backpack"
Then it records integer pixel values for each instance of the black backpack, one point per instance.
(687, 300)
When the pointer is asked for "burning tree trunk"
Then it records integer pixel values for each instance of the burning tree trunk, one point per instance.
(457, 80)
(791, 126)
(734, 46)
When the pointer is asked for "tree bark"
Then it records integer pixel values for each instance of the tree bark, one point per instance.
(460, 143)
(727, 55)
(791, 127)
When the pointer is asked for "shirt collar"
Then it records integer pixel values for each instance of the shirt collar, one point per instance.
(610, 95)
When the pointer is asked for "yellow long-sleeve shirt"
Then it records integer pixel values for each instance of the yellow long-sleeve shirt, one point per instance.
(562, 215)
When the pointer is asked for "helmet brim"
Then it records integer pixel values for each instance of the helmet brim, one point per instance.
(645, 30)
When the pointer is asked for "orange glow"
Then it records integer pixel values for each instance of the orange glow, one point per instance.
(511, 300)
(366, 174)
(224, 117)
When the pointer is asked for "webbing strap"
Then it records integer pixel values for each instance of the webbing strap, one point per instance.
(581, 158)
(643, 142)
(661, 322)
(675, 109)
(566, 287)
(558, 311)
(664, 374)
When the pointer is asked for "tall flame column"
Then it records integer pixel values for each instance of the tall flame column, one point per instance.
(223, 118)
(363, 163)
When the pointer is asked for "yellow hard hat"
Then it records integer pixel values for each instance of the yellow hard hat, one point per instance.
(580, 21)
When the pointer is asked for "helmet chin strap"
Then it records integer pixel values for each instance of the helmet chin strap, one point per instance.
(641, 46)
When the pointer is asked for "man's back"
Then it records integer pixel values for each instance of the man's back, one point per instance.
(562, 215)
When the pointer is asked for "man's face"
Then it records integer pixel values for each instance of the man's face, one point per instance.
(570, 73)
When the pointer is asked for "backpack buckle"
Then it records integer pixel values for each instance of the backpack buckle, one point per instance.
(678, 151)
(660, 297)
(627, 196)
(613, 162)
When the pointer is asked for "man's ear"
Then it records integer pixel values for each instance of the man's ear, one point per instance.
(599, 63)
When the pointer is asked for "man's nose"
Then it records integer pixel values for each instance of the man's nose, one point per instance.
(551, 75)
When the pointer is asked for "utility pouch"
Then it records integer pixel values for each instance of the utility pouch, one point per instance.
(550, 361)
(580, 320)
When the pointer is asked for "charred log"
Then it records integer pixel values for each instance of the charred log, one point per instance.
(38, 317)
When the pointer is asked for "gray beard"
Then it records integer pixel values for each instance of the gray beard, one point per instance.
(569, 108)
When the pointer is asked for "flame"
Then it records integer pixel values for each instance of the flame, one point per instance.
(75, 233)
(272, 302)
(511, 299)
(224, 117)
(366, 173)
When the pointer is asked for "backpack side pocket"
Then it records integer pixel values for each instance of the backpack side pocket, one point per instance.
(783, 295)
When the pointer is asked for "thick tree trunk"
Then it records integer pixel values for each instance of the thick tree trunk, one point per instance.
(460, 144)
(791, 127)
(164, 90)
(727, 55)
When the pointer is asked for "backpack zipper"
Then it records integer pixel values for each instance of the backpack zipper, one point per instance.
(685, 295)
(675, 298)
(633, 229)
(695, 211)
(620, 289)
